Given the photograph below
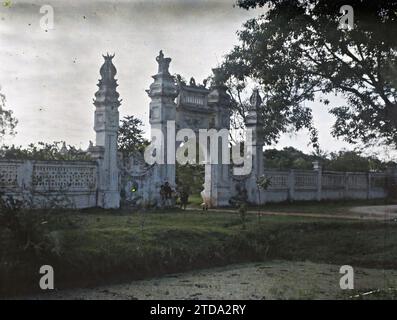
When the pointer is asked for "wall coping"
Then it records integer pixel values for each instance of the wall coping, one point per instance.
(53, 162)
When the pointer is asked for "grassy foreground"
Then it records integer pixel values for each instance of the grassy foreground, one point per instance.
(98, 247)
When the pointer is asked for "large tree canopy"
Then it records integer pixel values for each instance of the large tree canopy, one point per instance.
(291, 158)
(296, 51)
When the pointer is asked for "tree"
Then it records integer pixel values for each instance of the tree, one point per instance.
(7, 121)
(277, 115)
(56, 150)
(344, 160)
(354, 161)
(130, 139)
(297, 51)
(190, 177)
(289, 158)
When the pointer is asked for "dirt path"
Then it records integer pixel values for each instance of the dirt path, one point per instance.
(378, 213)
(389, 211)
(271, 280)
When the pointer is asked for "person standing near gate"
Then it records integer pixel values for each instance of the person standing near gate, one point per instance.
(168, 194)
(184, 197)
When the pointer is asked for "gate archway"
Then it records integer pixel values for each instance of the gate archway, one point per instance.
(191, 106)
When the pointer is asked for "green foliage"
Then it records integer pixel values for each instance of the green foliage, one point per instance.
(344, 160)
(130, 140)
(101, 245)
(130, 136)
(43, 151)
(264, 182)
(353, 161)
(277, 116)
(7, 121)
(288, 158)
(296, 52)
(190, 177)
(27, 228)
(242, 210)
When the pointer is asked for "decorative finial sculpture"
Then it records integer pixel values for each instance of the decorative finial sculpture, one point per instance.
(254, 116)
(192, 82)
(164, 63)
(108, 70)
(179, 79)
(164, 83)
(64, 149)
(255, 99)
(107, 93)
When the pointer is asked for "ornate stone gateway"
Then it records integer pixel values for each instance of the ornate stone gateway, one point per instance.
(100, 183)
(195, 108)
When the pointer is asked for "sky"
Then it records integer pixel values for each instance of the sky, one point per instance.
(49, 76)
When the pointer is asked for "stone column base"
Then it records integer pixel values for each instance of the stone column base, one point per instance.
(110, 200)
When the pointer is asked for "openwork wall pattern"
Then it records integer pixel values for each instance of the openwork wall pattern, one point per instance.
(9, 174)
(68, 177)
(76, 181)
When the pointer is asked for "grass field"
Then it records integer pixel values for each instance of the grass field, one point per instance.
(96, 246)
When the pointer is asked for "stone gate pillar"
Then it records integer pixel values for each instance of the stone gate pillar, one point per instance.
(106, 127)
(254, 124)
(217, 191)
(162, 93)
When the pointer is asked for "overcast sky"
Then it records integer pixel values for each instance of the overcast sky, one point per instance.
(49, 78)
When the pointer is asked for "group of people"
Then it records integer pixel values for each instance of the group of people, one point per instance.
(169, 196)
